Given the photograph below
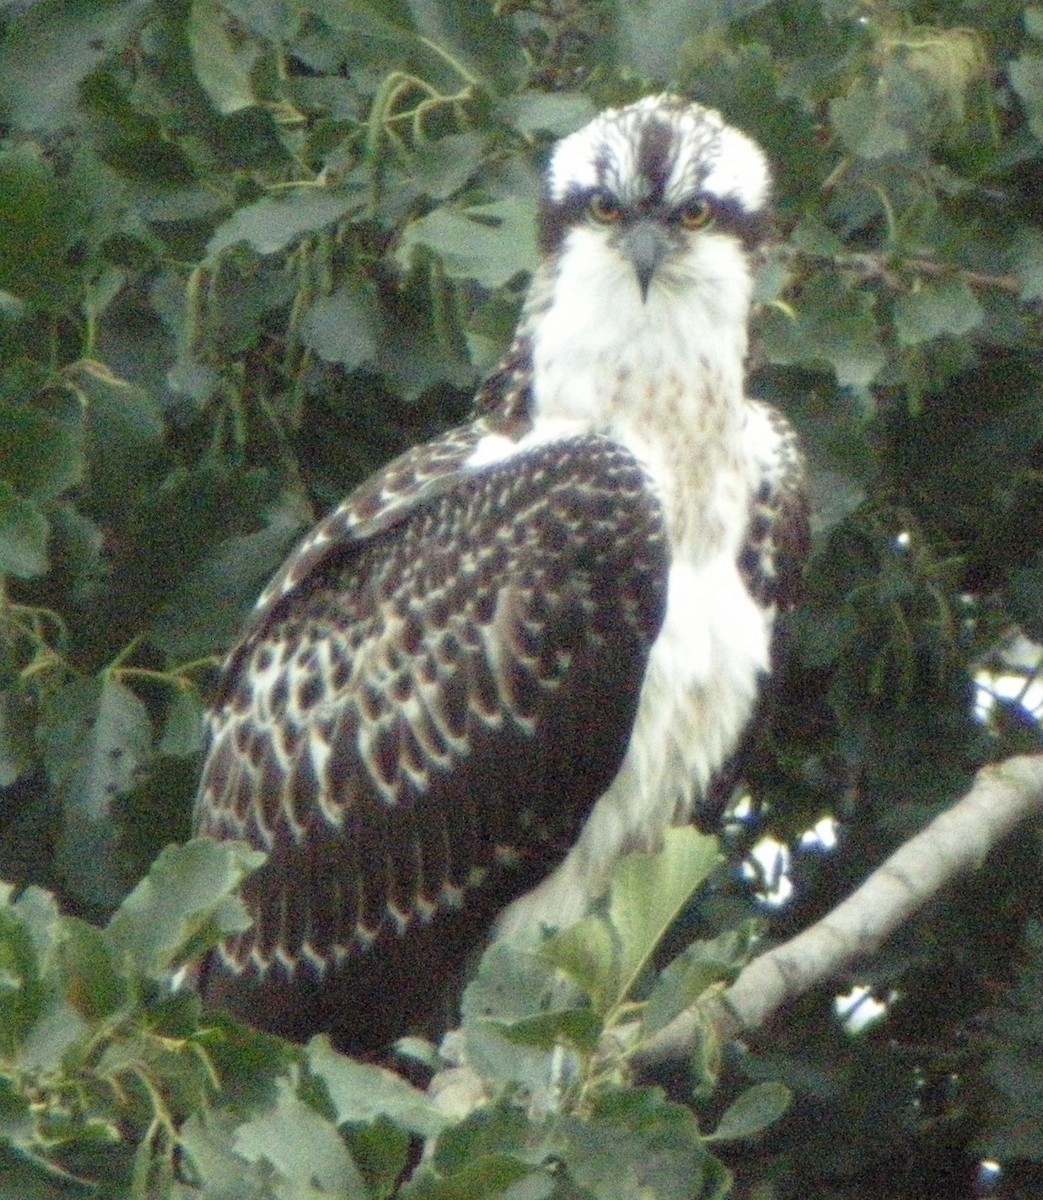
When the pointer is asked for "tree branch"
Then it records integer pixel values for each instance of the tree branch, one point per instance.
(889, 269)
(957, 841)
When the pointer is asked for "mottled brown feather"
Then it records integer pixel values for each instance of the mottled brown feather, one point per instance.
(415, 726)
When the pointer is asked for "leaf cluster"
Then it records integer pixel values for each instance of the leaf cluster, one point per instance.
(112, 1083)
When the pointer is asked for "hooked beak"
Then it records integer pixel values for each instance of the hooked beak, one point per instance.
(646, 245)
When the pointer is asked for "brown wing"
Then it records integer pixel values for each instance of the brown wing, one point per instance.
(417, 726)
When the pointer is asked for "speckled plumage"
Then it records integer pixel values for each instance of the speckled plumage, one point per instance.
(525, 647)
(378, 727)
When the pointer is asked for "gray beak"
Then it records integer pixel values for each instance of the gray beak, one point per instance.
(646, 245)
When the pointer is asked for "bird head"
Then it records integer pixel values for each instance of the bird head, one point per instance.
(652, 186)
(638, 311)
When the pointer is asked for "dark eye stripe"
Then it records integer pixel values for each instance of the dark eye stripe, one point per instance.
(555, 219)
(751, 228)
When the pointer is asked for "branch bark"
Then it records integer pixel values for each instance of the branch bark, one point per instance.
(954, 843)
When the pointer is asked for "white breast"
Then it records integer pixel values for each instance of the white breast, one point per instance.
(698, 694)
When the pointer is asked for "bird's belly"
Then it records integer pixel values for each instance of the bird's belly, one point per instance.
(699, 690)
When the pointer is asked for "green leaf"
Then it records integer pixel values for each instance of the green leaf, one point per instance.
(76, 549)
(383, 1153)
(39, 457)
(500, 1128)
(39, 1020)
(494, 1177)
(449, 42)
(937, 308)
(1028, 263)
(578, 1027)
(38, 912)
(650, 34)
(57, 1035)
(183, 728)
(122, 436)
(247, 1062)
(557, 113)
(16, 1123)
(360, 1092)
(863, 121)
(206, 1140)
(757, 1108)
(635, 1142)
(27, 1176)
(96, 983)
(587, 955)
(344, 326)
(49, 49)
(18, 749)
(440, 168)
(204, 610)
(511, 984)
(648, 892)
(495, 1151)
(39, 223)
(489, 243)
(422, 344)
(816, 238)
(185, 904)
(22, 966)
(835, 324)
(377, 30)
(1026, 76)
(304, 1150)
(699, 967)
(186, 557)
(23, 535)
(97, 734)
(223, 55)
(475, 33)
(273, 222)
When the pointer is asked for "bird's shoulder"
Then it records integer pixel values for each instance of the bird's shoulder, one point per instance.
(383, 499)
(451, 488)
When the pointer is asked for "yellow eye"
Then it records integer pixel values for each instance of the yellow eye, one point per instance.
(605, 208)
(695, 214)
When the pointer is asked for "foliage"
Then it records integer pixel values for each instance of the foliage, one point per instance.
(248, 251)
(112, 1084)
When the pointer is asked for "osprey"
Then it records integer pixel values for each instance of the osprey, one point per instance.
(525, 648)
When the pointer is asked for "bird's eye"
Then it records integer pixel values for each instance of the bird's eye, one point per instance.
(695, 214)
(605, 208)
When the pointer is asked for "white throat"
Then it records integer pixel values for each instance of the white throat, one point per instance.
(663, 376)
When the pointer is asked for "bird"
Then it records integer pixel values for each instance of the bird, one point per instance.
(525, 648)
